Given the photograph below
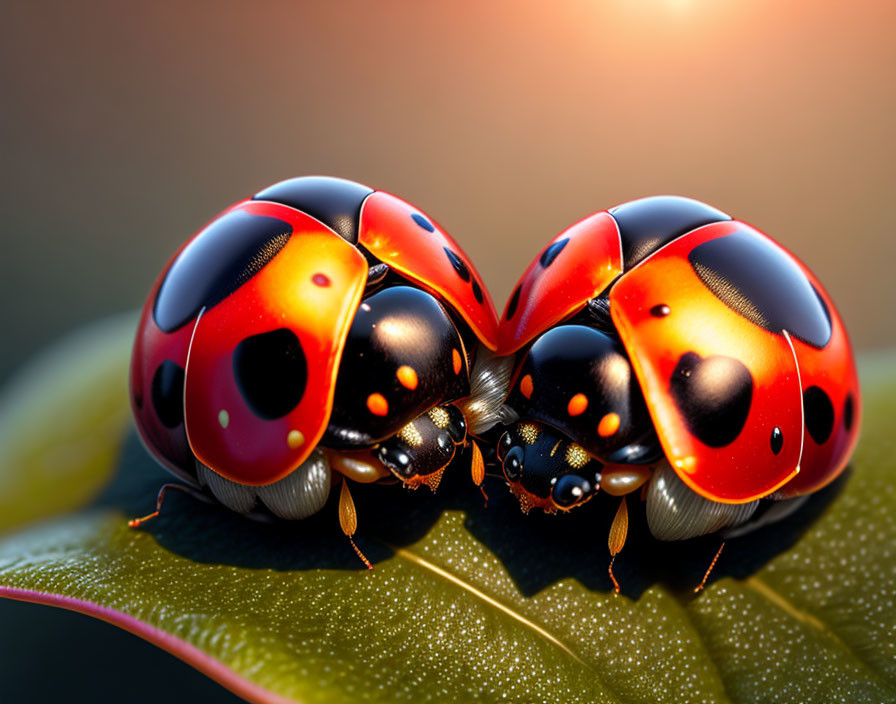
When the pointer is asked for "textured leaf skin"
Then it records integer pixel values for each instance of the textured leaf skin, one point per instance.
(467, 600)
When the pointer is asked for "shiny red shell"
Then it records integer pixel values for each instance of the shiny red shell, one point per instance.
(804, 399)
(429, 257)
(184, 394)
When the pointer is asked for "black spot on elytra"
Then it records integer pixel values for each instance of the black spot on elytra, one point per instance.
(760, 281)
(336, 202)
(660, 311)
(423, 222)
(550, 254)
(477, 291)
(819, 413)
(458, 264)
(271, 372)
(514, 302)
(713, 395)
(848, 411)
(168, 393)
(777, 440)
(647, 224)
(219, 260)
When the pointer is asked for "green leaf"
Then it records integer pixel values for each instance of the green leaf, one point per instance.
(465, 601)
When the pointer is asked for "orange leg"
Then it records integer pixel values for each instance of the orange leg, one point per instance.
(134, 522)
(618, 533)
(348, 520)
(477, 469)
(699, 587)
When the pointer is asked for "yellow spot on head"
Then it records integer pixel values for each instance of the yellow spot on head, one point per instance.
(529, 433)
(377, 404)
(295, 439)
(223, 418)
(411, 435)
(608, 425)
(577, 405)
(456, 360)
(439, 416)
(576, 457)
(526, 388)
(407, 377)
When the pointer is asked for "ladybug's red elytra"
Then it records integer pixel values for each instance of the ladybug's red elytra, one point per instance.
(319, 331)
(663, 347)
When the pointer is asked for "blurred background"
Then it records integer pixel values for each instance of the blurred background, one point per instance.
(126, 126)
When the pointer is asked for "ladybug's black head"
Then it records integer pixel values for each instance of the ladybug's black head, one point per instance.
(420, 451)
(403, 355)
(545, 469)
(580, 407)
(580, 381)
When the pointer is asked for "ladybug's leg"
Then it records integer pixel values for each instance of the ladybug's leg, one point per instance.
(699, 587)
(618, 533)
(419, 452)
(477, 469)
(195, 493)
(776, 511)
(348, 520)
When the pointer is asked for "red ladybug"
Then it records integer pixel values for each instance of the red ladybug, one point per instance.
(318, 331)
(662, 346)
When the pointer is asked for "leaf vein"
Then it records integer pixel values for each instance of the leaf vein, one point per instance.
(491, 601)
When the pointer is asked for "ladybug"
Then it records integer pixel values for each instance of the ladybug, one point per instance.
(317, 333)
(663, 347)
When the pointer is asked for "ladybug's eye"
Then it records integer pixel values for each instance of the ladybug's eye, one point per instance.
(570, 490)
(513, 464)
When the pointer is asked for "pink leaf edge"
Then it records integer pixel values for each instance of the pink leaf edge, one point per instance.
(180, 649)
